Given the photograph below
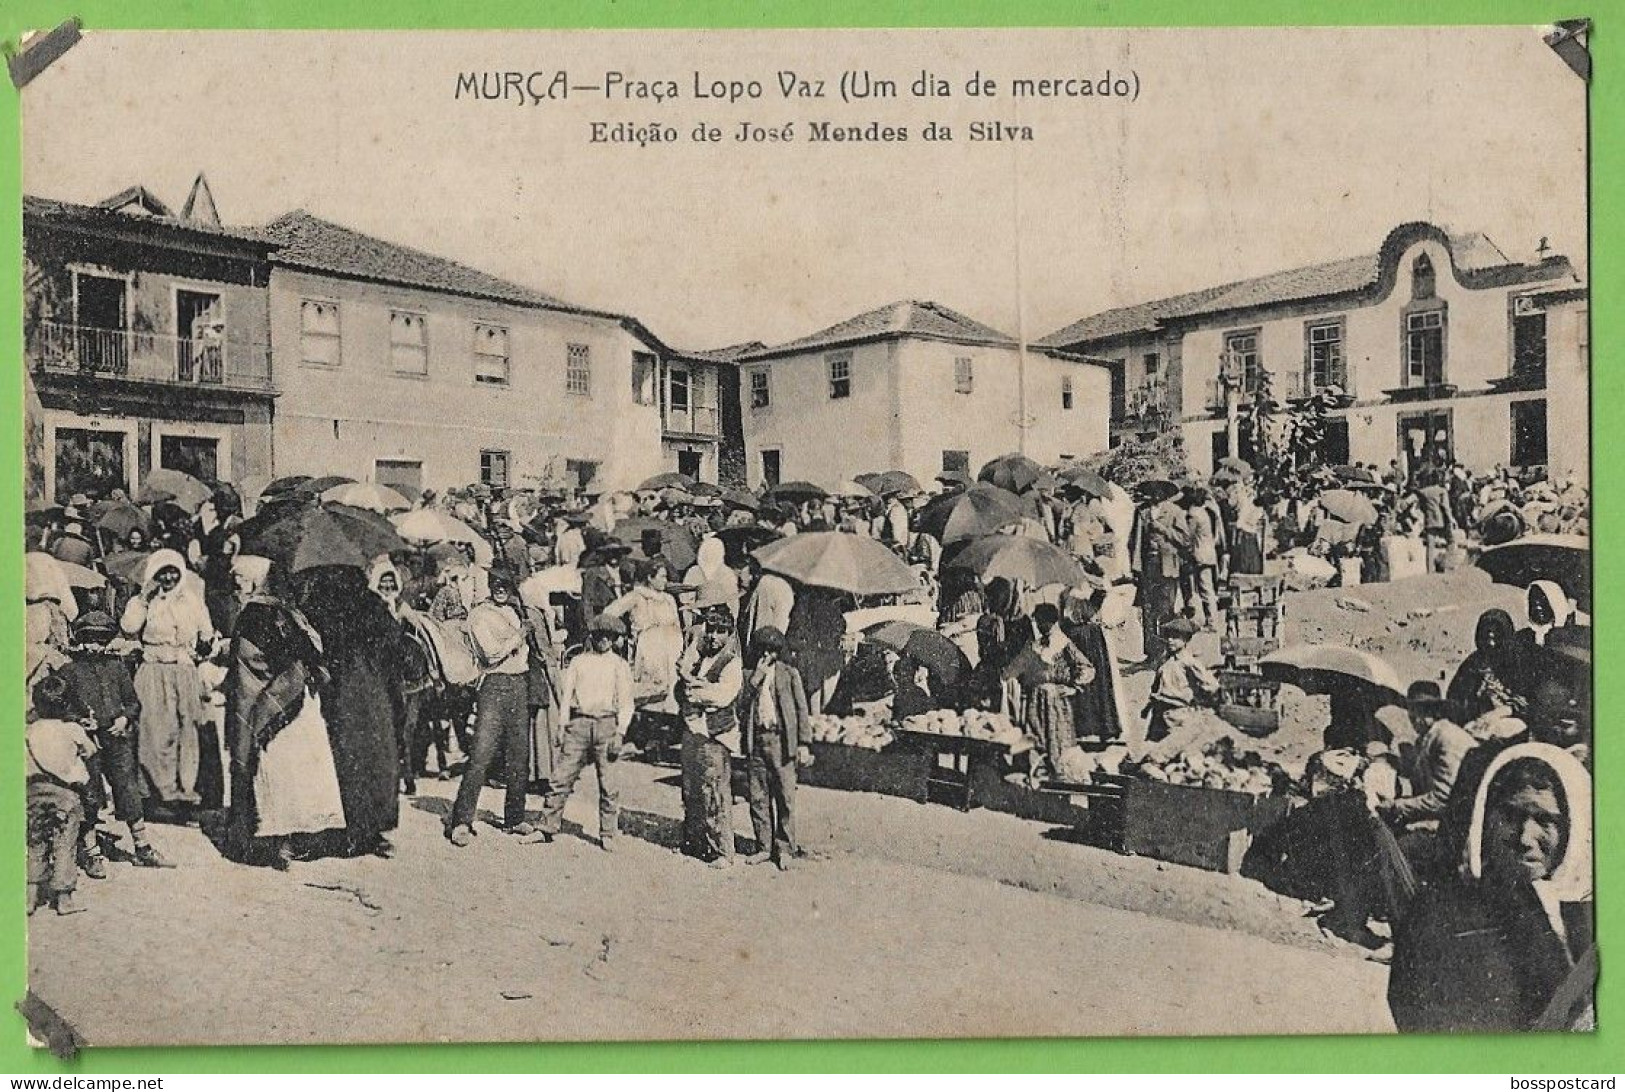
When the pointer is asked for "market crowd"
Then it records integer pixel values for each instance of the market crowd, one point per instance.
(282, 676)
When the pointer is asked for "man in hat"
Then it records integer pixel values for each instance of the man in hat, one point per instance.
(72, 542)
(572, 540)
(497, 635)
(1205, 530)
(1183, 682)
(1431, 766)
(99, 681)
(710, 677)
(596, 709)
(1156, 551)
(773, 714)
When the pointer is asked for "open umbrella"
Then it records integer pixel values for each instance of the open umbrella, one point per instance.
(127, 566)
(1155, 490)
(177, 486)
(120, 518)
(670, 480)
(1086, 482)
(677, 543)
(369, 495)
(980, 510)
(78, 576)
(315, 487)
(1236, 466)
(1320, 669)
(741, 498)
(830, 559)
(1352, 476)
(956, 479)
(1565, 559)
(1016, 473)
(942, 659)
(1033, 561)
(316, 535)
(705, 489)
(739, 542)
(45, 578)
(888, 483)
(1348, 506)
(796, 492)
(427, 526)
(849, 489)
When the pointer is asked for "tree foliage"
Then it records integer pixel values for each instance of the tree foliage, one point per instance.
(1285, 443)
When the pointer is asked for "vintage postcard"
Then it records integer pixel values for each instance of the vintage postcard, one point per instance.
(808, 534)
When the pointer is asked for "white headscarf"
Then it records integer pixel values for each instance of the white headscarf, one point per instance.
(1561, 607)
(1570, 880)
(251, 572)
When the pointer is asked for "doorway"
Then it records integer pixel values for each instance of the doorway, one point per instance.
(1426, 440)
(89, 461)
(689, 463)
(200, 329)
(198, 456)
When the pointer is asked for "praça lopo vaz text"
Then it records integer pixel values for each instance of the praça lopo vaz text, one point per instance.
(813, 132)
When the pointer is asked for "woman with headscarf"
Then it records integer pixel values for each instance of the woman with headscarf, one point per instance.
(359, 638)
(1550, 609)
(1051, 671)
(1489, 678)
(283, 781)
(1495, 947)
(169, 618)
(1002, 631)
(714, 583)
(415, 667)
(50, 606)
(1102, 711)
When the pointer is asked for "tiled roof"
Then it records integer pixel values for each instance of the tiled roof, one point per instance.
(311, 243)
(100, 216)
(906, 318)
(1470, 252)
(728, 354)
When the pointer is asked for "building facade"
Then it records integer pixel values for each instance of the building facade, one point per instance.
(913, 386)
(147, 344)
(1436, 348)
(416, 371)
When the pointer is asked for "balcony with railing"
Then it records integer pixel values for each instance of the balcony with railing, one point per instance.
(138, 356)
(1295, 385)
(692, 420)
(1148, 400)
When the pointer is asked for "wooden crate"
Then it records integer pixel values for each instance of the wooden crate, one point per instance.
(896, 771)
(1190, 825)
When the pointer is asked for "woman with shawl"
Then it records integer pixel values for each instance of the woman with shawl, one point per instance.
(1550, 609)
(359, 650)
(169, 618)
(813, 642)
(1495, 947)
(415, 667)
(50, 607)
(1489, 678)
(1051, 671)
(1002, 631)
(1102, 712)
(283, 782)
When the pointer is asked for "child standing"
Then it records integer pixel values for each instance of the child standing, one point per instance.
(100, 683)
(57, 778)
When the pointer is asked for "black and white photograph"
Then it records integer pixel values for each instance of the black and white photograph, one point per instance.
(807, 534)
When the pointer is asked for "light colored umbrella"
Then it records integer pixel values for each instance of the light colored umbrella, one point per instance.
(1033, 561)
(44, 577)
(830, 559)
(80, 577)
(851, 490)
(537, 589)
(427, 526)
(1348, 506)
(1320, 669)
(176, 486)
(671, 480)
(369, 495)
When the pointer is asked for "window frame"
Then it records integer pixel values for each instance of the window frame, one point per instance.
(1310, 326)
(1256, 333)
(1513, 410)
(578, 381)
(763, 388)
(964, 375)
(336, 338)
(422, 320)
(482, 378)
(488, 457)
(962, 457)
(1069, 397)
(1406, 332)
(839, 386)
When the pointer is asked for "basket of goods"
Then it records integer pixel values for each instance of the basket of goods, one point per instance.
(973, 724)
(870, 731)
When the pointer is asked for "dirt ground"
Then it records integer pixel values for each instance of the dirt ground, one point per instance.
(913, 920)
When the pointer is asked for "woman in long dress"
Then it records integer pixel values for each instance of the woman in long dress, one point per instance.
(360, 642)
(651, 618)
(283, 780)
(170, 619)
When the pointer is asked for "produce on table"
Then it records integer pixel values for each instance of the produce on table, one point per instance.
(970, 724)
(867, 730)
(1218, 765)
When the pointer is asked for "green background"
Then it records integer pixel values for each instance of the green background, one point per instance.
(1601, 1052)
